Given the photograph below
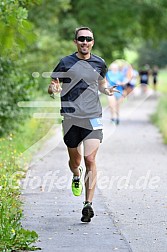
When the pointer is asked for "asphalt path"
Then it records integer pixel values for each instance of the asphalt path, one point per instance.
(130, 200)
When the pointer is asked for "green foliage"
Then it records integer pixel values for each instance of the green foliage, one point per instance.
(47, 51)
(152, 54)
(12, 235)
(16, 31)
(112, 23)
(160, 116)
(50, 47)
(15, 86)
(118, 25)
(45, 15)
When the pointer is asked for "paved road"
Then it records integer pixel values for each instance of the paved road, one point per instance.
(131, 197)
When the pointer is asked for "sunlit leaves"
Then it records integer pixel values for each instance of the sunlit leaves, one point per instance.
(16, 31)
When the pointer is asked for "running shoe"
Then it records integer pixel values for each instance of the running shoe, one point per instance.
(87, 212)
(115, 121)
(77, 185)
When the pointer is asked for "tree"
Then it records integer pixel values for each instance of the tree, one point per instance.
(118, 25)
(50, 46)
(153, 55)
(16, 30)
(16, 37)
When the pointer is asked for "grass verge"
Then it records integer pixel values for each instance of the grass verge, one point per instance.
(13, 237)
(160, 116)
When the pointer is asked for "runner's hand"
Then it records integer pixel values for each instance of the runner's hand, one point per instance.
(54, 87)
(111, 90)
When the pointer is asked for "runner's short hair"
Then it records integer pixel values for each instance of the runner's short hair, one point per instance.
(80, 29)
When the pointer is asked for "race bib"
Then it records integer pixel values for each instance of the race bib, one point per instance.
(96, 123)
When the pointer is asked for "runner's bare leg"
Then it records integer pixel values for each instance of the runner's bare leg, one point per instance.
(90, 150)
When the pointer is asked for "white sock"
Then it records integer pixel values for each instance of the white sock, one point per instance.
(76, 177)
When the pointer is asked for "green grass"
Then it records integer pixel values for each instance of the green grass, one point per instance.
(162, 81)
(160, 116)
(12, 236)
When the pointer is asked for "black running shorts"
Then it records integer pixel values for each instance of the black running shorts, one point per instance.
(77, 130)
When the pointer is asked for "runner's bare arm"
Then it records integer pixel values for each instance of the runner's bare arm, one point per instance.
(103, 88)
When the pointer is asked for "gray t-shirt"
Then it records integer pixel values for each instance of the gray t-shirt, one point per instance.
(79, 96)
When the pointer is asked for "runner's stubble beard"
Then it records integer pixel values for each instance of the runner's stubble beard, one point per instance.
(84, 49)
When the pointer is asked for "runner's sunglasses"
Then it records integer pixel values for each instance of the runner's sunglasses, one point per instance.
(83, 38)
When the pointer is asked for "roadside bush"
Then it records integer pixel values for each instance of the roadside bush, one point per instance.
(13, 237)
(15, 86)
